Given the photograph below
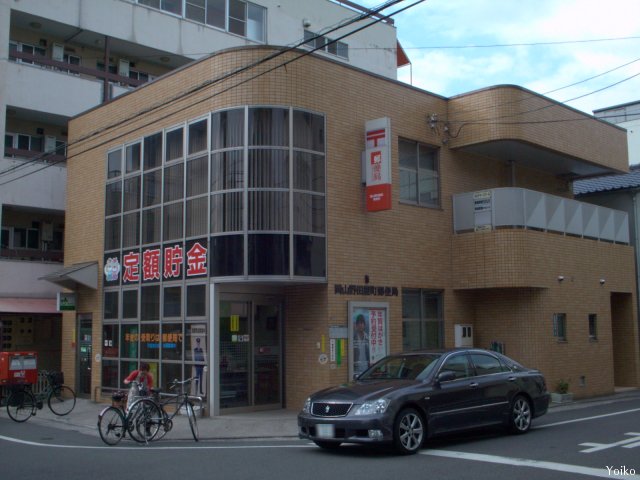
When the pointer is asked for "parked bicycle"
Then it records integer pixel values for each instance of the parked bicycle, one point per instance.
(160, 419)
(22, 402)
(116, 420)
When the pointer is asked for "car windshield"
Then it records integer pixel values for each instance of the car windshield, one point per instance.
(408, 367)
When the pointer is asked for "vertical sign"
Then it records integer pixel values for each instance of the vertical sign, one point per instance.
(368, 322)
(378, 164)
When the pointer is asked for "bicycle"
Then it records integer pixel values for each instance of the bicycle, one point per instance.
(23, 402)
(115, 421)
(161, 422)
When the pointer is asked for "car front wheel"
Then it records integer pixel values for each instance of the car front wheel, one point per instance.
(408, 431)
(520, 415)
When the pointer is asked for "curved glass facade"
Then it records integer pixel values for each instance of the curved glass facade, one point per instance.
(237, 195)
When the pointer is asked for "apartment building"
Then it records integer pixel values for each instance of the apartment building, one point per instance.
(242, 226)
(62, 57)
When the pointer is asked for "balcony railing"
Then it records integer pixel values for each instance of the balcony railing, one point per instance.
(32, 255)
(46, 157)
(522, 208)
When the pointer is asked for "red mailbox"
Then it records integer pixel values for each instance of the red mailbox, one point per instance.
(18, 367)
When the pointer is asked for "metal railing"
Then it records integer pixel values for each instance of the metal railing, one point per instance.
(522, 208)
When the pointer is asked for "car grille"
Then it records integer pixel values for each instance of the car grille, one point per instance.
(323, 409)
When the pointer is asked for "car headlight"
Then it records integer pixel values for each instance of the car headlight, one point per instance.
(374, 407)
(307, 406)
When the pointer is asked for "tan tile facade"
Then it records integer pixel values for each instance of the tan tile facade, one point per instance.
(502, 282)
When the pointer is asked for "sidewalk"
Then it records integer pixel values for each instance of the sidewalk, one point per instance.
(272, 424)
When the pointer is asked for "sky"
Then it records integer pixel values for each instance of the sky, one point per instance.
(578, 52)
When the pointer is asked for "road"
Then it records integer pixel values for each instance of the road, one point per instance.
(599, 440)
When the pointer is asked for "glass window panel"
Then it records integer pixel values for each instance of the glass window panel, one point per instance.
(172, 223)
(309, 256)
(171, 341)
(428, 188)
(133, 158)
(226, 212)
(308, 172)
(150, 303)
(197, 137)
(422, 322)
(112, 233)
(153, 151)
(408, 186)
(269, 126)
(255, 22)
(268, 210)
(114, 163)
(343, 50)
(227, 170)
(268, 254)
(174, 182)
(268, 169)
(111, 305)
(172, 301)
(174, 146)
(410, 303)
(237, 9)
(150, 341)
(130, 304)
(129, 340)
(216, 13)
(196, 300)
(110, 377)
(237, 26)
(131, 230)
(170, 371)
(113, 198)
(194, 10)
(227, 129)
(308, 213)
(227, 255)
(150, 3)
(131, 193)
(197, 174)
(172, 6)
(151, 225)
(308, 131)
(152, 188)
(408, 154)
(196, 221)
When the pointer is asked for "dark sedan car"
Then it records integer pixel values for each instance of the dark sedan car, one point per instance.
(405, 398)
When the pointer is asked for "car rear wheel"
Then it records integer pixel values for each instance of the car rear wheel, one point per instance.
(520, 415)
(327, 445)
(408, 431)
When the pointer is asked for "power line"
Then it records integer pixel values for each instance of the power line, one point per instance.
(522, 44)
(225, 76)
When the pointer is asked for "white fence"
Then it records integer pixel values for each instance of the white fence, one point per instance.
(522, 208)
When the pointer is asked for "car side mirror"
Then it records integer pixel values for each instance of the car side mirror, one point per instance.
(445, 376)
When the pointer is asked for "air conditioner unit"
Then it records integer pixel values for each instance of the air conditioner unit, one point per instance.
(463, 335)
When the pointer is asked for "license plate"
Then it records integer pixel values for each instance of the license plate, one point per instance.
(325, 430)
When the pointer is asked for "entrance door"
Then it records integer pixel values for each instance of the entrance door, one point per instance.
(84, 354)
(250, 354)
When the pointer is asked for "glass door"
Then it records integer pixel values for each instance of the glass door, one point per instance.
(266, 355)
(84, 355)
(235, 352)
(250, 366)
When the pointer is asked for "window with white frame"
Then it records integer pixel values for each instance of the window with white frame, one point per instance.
(235, 16)
(419, 174)
(422, 320)
(325, 44)
(25, 48)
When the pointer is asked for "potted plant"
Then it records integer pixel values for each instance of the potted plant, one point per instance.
(561, 393)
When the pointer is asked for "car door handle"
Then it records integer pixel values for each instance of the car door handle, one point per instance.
(512, 379)
(474, 384)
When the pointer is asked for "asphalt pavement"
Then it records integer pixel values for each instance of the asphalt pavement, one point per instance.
(270, 424)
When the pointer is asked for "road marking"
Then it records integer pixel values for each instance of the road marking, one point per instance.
(523, 462)
(129, 446)
(586, 418)
(627, 443)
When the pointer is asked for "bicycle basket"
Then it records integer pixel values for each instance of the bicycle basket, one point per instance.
(118, 399)
(56, 378)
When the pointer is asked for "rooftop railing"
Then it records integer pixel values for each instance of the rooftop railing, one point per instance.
(522, 208)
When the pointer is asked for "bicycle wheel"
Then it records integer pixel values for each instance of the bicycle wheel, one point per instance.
(61, 400)
(144, 420)
(111, 425)
(193, 423)
(21, 405)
